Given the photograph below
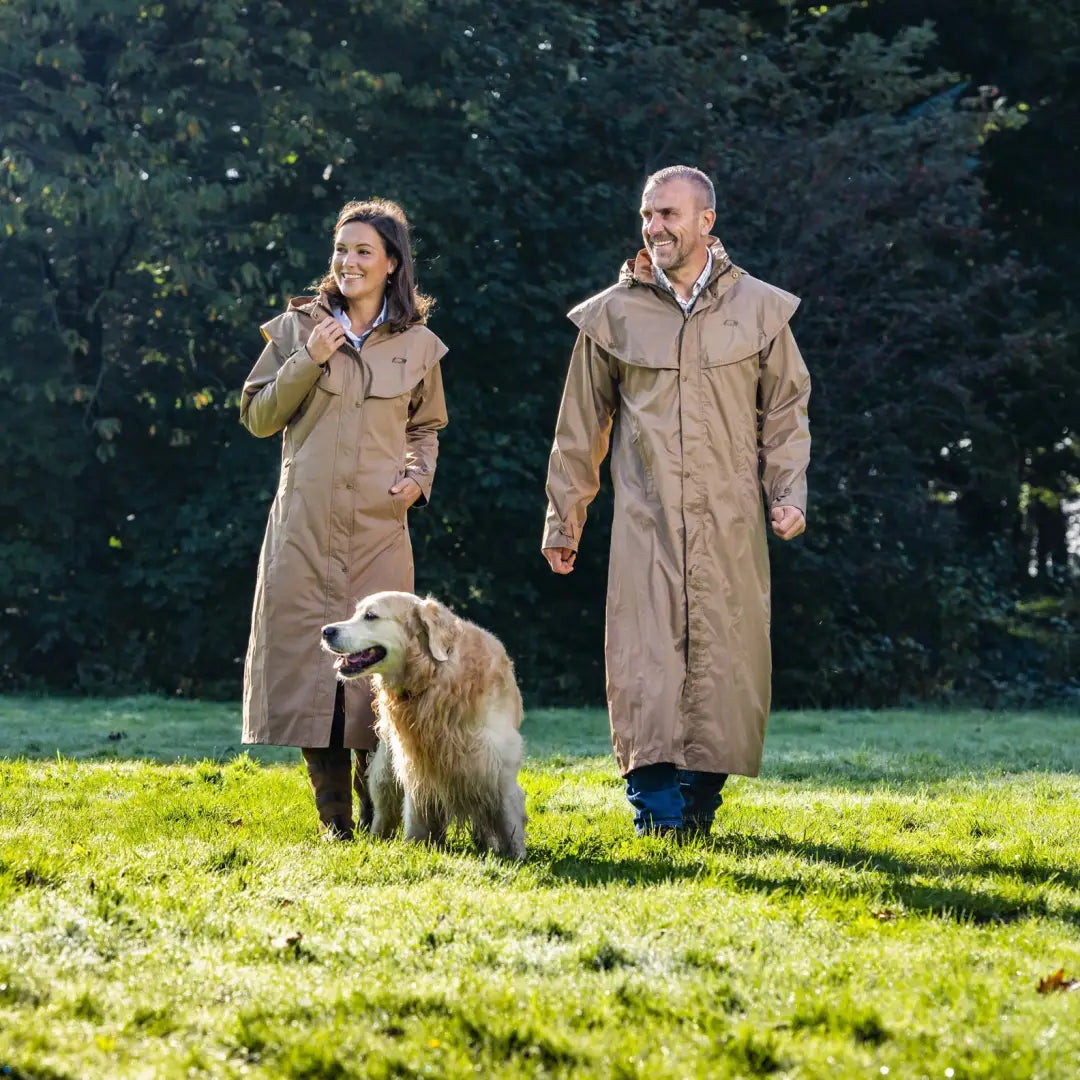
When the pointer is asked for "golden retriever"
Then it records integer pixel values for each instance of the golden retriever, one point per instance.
(448, 713)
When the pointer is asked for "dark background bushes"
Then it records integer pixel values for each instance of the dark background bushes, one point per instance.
(169, 175)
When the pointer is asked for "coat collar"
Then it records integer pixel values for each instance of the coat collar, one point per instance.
(318, 307)
(639, 271)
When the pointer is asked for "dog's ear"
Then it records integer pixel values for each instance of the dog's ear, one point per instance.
(439, 625)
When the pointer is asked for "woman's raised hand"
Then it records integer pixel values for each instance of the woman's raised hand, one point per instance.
(325, 340)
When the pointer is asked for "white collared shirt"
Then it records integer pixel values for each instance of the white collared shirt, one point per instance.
(702, 281)
(343, 318)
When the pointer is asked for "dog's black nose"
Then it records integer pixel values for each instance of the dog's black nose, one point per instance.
(329, 633)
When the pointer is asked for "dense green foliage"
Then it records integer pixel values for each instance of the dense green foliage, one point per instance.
(883, 902)
(168, 176)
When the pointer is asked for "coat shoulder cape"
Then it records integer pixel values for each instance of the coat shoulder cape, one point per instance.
(289, 331)
(609, 318)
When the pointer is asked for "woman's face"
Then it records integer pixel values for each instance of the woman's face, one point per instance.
(360, 264)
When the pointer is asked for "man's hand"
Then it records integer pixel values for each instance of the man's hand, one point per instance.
(409, 488)
(325, 340)
(561, 559)
(787, 521)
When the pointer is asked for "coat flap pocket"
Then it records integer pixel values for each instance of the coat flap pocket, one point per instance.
(655, 362)
(395, 375)
(332, 379)
(659, 354)
(731, 342)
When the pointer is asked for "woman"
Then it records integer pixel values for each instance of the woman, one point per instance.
(351, 378)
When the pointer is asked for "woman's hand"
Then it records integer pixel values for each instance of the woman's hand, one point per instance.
(325, 340)
(409, 489)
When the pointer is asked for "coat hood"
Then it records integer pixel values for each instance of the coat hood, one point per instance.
(639, 270)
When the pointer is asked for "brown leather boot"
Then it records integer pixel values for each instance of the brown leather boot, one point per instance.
(328, 771)
(365, 809)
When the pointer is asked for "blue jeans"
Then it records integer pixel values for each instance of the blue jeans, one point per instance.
(664, 797)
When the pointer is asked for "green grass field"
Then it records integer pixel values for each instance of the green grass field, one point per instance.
(883, 901)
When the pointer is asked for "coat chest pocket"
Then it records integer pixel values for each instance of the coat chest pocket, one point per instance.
(394, 378)
(386, 404)
(320, 398)
(332, 379)
(729, 342)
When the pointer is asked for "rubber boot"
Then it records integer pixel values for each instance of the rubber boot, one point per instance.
(328, 771)
(365, 809)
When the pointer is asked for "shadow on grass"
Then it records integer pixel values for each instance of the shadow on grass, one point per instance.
(857, 858)
(906, 883)
(944, 901)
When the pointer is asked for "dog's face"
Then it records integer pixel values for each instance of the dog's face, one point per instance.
(384, 633)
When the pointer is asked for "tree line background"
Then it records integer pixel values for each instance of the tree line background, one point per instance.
(169, 174)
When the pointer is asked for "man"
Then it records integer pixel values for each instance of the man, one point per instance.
(688, 365)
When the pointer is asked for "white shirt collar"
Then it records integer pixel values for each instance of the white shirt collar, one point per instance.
(358, 340)
(703, 280)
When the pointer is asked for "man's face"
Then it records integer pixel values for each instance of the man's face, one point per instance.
(674, 223)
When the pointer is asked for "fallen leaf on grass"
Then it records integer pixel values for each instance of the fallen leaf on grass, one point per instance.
(288, 941)
(886, 915)
(1057, 981)
(237, 822)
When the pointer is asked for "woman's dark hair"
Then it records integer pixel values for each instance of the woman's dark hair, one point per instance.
(405, 304)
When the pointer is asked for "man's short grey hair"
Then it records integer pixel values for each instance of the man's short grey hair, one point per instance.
(685, 172)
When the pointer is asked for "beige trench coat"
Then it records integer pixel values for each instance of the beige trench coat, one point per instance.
(350, 430)
(701, 410)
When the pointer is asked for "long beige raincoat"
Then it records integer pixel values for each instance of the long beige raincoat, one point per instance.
(351, 430)
(701, 410)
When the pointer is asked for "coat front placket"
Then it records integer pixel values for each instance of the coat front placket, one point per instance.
(343, 507)
(697, 462)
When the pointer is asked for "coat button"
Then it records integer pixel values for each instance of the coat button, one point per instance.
(686, 474)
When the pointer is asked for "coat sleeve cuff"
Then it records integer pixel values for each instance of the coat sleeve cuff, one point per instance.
(556, 536)
(790, 495)
(423, 481)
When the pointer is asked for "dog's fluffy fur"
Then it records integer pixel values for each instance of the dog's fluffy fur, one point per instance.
(448, 713)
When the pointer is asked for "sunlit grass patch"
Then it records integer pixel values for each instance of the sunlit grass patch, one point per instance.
(887, 896)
